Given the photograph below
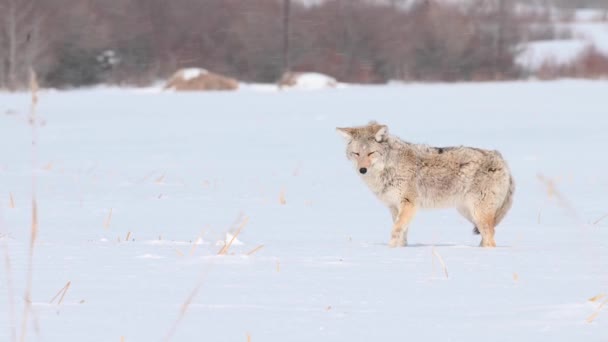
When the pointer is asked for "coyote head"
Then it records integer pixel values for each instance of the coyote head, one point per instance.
(367, 146)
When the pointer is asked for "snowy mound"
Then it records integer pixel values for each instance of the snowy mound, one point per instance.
(192, 73)
(307, 80)
(197, 79)
(230, 239)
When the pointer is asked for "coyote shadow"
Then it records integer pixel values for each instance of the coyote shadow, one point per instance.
(421, 245)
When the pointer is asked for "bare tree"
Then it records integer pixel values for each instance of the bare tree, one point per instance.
(286, 33)
(20, 30)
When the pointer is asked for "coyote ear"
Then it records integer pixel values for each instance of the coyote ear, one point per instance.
(347, 133)
(381, 133)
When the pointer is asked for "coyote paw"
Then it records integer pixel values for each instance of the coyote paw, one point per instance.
(397, 243)
(487, 244)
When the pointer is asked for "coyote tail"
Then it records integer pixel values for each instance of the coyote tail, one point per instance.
(506, 205)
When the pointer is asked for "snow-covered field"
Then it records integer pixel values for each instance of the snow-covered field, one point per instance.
(173, 173)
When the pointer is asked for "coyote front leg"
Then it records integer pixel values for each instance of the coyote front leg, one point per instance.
(405, 213)
(394, 213)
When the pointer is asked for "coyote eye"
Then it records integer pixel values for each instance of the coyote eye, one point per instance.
(355, 153)
(369, 154)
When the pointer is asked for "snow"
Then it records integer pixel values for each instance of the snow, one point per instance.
(313, 80)
(590, 14)
(595, 33)
(557, 52)
(229, 237)
(587, 29)
(322, 270)
(192, 73)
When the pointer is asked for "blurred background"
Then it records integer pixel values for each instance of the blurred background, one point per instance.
(73, 43)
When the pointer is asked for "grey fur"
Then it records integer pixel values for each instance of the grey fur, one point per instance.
(407, 177)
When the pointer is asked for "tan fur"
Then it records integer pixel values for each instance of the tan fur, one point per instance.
(407, 177)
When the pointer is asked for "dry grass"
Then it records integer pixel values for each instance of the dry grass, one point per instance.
(196, 242)
(128, 236)
(243, 219)
(591, 63)
(255, 250)
(594, 315)
(443, 266)
(597, 298)
(226, 246)
(34, 224)
(600, 219)
(296, 171)
(186, 305)
(205, 81)
(553, 192)
(108, 220)
(9, 292)
(61, 293)
(282, 200)
(11, 203)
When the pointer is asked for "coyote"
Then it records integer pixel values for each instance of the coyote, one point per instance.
(407, 176)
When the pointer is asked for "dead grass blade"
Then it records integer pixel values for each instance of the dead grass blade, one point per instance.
(282, 200)
(237, 221)
(597, 312)
(196, 242)
(61, 293)
(597, 298)
(34, 224)
(226, 246)
(600, 219)
(11, 202)
(296, 171)
(186, 305)
(445, 269)
(128, 236)
(9, 292)
(251, 252)
(106, 223)
(552, 192)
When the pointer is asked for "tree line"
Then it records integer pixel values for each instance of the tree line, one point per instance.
(73, 43)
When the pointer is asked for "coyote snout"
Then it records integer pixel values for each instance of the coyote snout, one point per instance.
(407, 177)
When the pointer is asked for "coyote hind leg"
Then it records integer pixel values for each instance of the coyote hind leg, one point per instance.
(485, 223)
(466, 213)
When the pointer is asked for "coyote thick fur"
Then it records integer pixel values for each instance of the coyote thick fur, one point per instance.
(407, 177)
